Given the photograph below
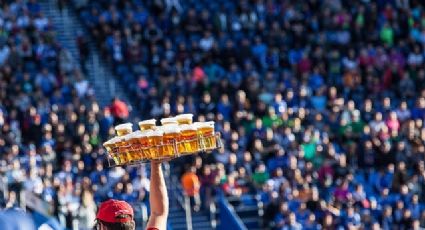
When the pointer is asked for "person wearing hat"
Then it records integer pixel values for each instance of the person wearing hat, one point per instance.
(119, 215)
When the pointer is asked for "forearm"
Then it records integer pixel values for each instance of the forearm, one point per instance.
(158, 192)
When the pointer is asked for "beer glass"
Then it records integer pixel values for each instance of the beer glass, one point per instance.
(142, 139)
(123, 150)
(171, 139)
(147, 125)
(154, 143)
(168, 121)
(206, 131)
(189, 139)
(112, 149)
(184, 119)
(124, 129)
(134, 147)
(108, 145)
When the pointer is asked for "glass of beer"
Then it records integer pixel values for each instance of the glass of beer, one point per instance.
(110, 146)
(123, 150)
(171, 140)
(147, 125)
(189, 139)
(184, 119)
(154, 144)
(169, 121)
(206, 131)
(134, 147)
(142, 141)
(124, 129)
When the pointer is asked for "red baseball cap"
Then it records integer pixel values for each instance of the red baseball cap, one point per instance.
(111, 209)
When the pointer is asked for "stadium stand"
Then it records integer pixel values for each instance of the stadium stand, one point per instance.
(320, 103)
(51, 128)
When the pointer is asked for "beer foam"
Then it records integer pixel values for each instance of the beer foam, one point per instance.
(204, 124)
(171, 129)
(168, 120)
(148, 122)
(124, 126)
(114, 140)
(128, 136)
(157, 132)
(187, 127)
(108, 142)
(138, 134)
(185, 116)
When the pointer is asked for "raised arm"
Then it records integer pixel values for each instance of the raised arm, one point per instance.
(158, 198)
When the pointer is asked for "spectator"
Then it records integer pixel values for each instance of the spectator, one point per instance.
(119, 110)
(191, 185)
(87, 210)
(231, 188)
(311, 223)
(292, 223)
(311, 117)
(260, 175)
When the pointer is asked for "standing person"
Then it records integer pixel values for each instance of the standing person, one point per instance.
(119, 110)
(119, 215)
(83, 49)
(61, 5)
(191, 185)
(87, 210)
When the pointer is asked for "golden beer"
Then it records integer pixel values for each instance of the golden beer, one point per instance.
(154, 143)
(124, 129)
(171, 139)
(189, 139)
(147, 125)
(169, 121)
(184, 119)
(112, 150)
(123, 150)
(206, 131)
(108, 145)
(143, 141)
(134, 147)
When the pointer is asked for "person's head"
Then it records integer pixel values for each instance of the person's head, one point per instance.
(115, 215)
(191, 169)
(378, 116)
(292, 218)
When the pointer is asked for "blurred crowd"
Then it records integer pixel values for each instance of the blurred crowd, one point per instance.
(51, 128)
(320, 103)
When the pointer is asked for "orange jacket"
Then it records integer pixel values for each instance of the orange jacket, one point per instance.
(190, 183)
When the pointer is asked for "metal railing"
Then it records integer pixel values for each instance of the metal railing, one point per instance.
(183, 200)
(213, 215)
(3, 187)
(228, 215)
(260, 206)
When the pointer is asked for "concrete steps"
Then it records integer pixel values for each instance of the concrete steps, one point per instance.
(101, 78)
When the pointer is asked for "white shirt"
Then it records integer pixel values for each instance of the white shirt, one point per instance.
(206, 43)
(81, 87)
(415, 59)
(4, 54)
(41, 23)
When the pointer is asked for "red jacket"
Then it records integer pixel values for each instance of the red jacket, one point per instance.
(119, 109)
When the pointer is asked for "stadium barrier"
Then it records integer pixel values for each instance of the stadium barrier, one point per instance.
(228, 218)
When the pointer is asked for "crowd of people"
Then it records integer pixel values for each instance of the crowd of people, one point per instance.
(51, 128)
(320, 103)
